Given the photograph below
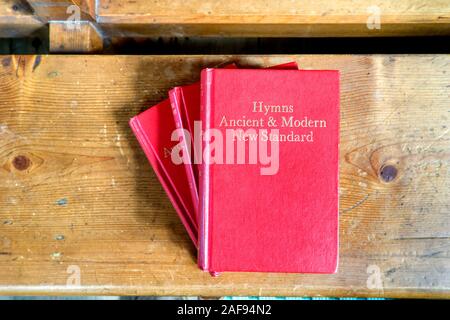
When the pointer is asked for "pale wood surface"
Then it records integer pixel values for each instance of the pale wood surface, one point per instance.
(76, 190)
(267, 11)
(251, 18)
(17, 20)
(57, 10)
(79, 37)
(276, 18)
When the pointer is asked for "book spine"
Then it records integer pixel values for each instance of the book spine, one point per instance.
(206, 93)
(175, 99)
(174, 102)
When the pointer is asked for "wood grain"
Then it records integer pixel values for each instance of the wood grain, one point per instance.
(59, 10)
(75, 37)
(77, 193)
(251, 18)
(283, 18)
(17, 19)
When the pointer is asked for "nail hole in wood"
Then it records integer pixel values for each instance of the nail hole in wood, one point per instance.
(388, 173)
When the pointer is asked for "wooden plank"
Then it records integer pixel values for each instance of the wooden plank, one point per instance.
(17, 19)
(253, 18)
(77, 196)
(284, 18)
(59, 10)
(20, 18)
(75, 37)
(87, 6)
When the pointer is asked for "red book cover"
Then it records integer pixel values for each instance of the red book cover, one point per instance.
(153, 129)
(185, 101)
(269, 177)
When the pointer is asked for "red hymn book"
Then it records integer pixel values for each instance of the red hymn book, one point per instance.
(185, 101)
(153, 129)
(269, 179)
(262, 192)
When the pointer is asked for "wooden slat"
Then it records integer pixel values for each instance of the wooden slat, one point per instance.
(77, 193)
(283, 18)
(57, 10)
(17, 19)
(20, 18)
(87, 6)
(75, 37)
(253, 18)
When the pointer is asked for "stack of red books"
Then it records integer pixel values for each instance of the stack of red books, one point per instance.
(249, 160)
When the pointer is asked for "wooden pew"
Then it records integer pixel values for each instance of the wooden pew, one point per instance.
(81, 211)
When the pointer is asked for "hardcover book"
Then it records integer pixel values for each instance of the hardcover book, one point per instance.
(269, 172)
(185, 101)
(153, 129)
(156, 132)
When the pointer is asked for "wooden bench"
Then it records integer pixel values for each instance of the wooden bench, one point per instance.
(78, 197)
